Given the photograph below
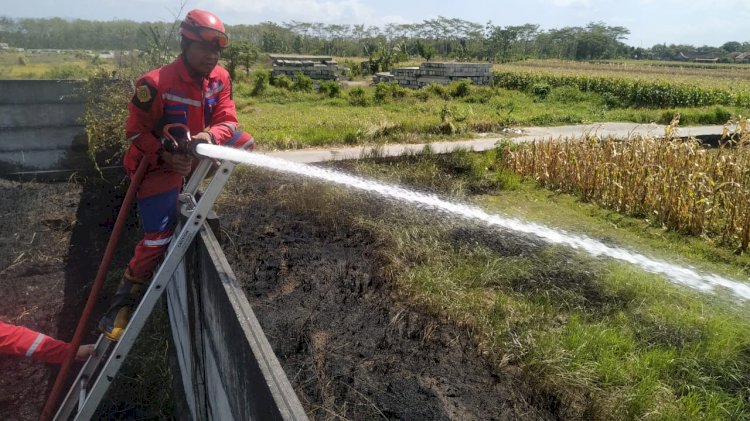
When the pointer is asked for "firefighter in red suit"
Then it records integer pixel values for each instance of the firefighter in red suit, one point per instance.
(194, 91)
(23, 342)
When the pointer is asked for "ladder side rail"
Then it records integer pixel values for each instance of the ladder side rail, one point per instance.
(198, 175)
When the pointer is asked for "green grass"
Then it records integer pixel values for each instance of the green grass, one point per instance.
(280, 119)
(47, 65)
(597, 339)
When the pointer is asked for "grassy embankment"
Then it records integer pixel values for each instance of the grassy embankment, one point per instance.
(599, 339)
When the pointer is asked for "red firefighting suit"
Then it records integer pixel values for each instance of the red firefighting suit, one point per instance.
(20, 341)
(164, 96)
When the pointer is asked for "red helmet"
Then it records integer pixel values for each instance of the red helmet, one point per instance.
(200, 25)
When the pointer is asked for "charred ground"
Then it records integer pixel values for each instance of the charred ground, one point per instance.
(352, 345)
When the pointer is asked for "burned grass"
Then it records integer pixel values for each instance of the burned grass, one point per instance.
(571, 337)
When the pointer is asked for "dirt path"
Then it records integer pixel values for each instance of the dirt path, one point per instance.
(483, 143)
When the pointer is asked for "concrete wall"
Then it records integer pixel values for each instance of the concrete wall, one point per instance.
(437, 72)
(39, 127)
(314, 67)
(228, 369)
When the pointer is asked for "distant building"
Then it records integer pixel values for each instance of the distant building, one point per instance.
(4, 46)
(742, 58)
(698, 58)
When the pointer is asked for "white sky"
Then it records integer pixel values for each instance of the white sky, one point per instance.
(696, 22)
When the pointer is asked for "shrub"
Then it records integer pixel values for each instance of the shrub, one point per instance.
(386, 91)
(422, 95)
(568, 94)
(540, 90)
(302, 83)
(282, 82)
(260, 83)
(381, 93)
(460, 88)
(480, 95)
(330, 88)
(721, 115)
(67, 71)
(438, 90)
(611, 100)
(667, 116)
(354, 68)
(359, 97)
(106, 109)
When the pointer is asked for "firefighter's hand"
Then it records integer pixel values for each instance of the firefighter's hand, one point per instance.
(202, 137)
(179, 163)
(85, 351)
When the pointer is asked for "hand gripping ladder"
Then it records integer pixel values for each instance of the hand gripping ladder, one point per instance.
(94, 378)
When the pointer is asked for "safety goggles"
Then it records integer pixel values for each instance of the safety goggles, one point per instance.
(208, 34)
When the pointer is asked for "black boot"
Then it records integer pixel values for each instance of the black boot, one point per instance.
(117, 316)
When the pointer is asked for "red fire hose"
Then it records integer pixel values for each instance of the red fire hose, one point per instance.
(52, 401)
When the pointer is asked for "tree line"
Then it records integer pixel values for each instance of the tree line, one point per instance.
(445, 37)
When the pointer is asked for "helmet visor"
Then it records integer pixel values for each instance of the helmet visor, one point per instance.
(206, 34)
(212, 35)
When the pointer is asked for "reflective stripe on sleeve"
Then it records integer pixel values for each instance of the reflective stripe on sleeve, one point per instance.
(181, 100)
(159, 242)
(35, 345)
(233, 127)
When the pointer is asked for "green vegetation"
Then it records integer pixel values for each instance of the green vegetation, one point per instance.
(281, 117)
(633, 84)
(596, 339)
(48, 65)
(442, 37)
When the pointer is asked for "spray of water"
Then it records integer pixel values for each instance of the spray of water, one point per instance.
(676, 274)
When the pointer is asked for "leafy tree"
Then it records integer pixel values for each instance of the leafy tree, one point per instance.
(425, 51)
(239, 53)
(732, 46)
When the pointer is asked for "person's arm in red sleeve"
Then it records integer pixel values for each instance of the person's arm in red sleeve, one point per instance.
(24, 342)
(224, 117)
(145, 110)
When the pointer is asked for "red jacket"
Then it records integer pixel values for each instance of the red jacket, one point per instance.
(20, 341)
(170, 95)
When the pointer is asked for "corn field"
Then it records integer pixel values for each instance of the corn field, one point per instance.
(637, 84)
(634, 92)
(674, 182)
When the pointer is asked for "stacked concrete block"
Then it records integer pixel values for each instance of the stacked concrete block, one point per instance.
(442, 73)
(314, 67)
(406, 76)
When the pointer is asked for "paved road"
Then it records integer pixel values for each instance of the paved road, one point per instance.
(618, 130)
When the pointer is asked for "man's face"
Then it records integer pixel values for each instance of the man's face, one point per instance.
(202, 57)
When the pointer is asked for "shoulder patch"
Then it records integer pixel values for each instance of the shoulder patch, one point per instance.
(144, 95)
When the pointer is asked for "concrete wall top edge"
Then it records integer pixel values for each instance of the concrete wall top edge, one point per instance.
(17, 92)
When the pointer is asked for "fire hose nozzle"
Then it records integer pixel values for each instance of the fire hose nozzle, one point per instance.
(184, 145)
(192, 147)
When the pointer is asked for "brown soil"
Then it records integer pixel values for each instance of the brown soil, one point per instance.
(350, 346)
(52, 236)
